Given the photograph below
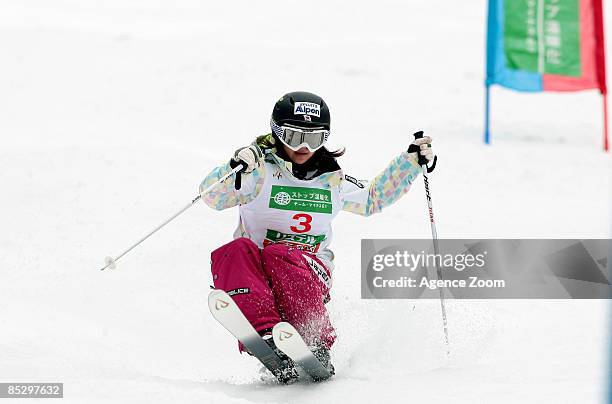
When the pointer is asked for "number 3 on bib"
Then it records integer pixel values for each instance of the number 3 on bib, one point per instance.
(303, 224)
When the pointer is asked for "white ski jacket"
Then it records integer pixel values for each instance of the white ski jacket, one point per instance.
(277, 207)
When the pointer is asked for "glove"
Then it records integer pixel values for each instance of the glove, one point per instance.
(250, 156)
(422, 146)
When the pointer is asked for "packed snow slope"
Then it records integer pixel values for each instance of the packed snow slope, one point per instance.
(112, 112)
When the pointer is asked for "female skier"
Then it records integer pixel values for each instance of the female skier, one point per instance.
(279, 265)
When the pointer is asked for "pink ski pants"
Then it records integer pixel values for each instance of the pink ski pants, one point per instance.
(277, 283)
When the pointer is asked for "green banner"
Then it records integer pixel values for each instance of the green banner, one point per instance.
(301, 199)
(543, 36)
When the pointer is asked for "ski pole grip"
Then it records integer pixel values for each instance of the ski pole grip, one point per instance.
(422, 160)
(238, 180)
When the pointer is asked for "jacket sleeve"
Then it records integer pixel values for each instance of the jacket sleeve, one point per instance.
(369, 197)
(225, 195)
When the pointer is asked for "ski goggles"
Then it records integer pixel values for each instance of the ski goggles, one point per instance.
(295, 138)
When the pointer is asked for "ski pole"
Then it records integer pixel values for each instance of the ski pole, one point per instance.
(426, 170)
(112, 262)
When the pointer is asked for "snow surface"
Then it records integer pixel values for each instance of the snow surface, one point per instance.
(111, 112)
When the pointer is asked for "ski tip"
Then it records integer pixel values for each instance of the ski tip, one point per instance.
(283, 331)
(283, 325)
(218, 300)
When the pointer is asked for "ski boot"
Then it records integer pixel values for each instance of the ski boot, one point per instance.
(287, 374)
(322, 354)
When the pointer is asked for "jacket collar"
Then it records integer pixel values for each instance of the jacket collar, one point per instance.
(332, 178)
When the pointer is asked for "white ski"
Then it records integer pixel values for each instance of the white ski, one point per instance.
(288, 340)
(227, 313)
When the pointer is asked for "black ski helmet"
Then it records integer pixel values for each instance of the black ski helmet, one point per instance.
(301, 109)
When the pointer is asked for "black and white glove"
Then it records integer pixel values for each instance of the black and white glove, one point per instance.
(422, 146)
(250, 156)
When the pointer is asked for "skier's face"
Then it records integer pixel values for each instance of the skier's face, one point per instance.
(300, 156)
